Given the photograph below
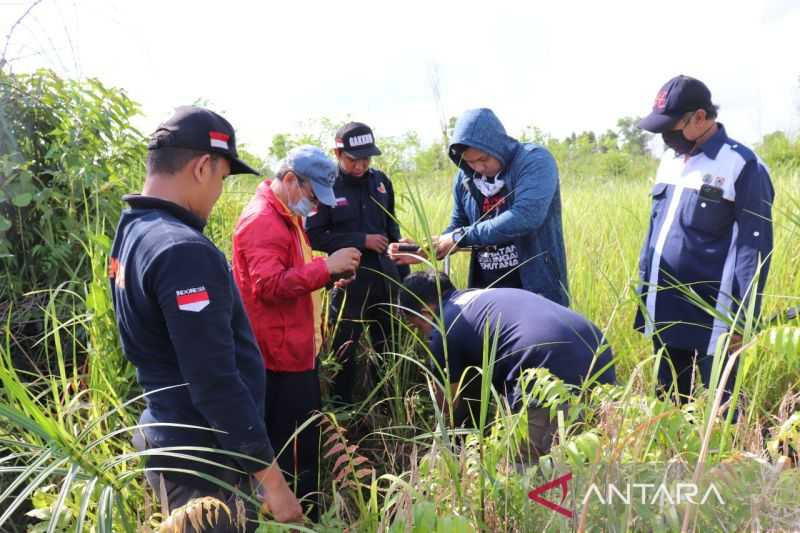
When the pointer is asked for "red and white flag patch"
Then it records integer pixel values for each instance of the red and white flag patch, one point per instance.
(661, 100)
(194, 300)
(381, 188)
(219, 140)
(342, 202)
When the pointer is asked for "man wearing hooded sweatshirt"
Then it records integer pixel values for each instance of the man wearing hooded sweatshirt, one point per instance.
(506, 209)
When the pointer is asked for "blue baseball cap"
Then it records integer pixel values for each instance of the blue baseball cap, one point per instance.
(677, 97)
(311, 163)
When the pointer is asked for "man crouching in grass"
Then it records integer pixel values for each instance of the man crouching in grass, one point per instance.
(531, 332)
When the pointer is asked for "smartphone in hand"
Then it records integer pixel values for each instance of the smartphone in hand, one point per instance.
(407, 248)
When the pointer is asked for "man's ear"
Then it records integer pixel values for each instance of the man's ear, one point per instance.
(699, 116)
(430, 311)
(202, 168)
(289, 178)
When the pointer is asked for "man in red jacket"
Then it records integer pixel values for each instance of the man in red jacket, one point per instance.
(280, 283)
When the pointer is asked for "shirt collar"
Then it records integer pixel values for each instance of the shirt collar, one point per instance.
(713, 145)
(140, 201)
(449, 295)
(359, 181)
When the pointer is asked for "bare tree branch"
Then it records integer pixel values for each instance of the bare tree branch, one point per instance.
(14, 27)
(435, 84)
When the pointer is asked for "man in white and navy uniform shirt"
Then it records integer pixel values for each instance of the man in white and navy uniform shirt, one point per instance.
(710, 233)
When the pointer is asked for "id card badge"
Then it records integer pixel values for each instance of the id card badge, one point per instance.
(711, 193)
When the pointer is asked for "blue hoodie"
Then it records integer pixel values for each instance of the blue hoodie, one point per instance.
(532, 221)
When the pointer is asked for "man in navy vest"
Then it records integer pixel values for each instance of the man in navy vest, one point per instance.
(707, 250)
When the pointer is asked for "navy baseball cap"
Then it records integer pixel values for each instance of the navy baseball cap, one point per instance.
(311, 163)
(197, 128)
(357, 140)
(677, 97)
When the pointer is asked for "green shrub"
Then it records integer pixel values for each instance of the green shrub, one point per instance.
(68, 153)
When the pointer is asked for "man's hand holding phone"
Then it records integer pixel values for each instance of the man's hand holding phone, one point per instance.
(406, 252)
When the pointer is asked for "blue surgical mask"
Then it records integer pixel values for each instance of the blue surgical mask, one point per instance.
(302, 207)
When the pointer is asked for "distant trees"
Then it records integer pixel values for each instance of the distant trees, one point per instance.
(618, 152)
(778, 150)
(401, 154)
(315, 132)
(634, 140)
(627, 137)
(615, 153)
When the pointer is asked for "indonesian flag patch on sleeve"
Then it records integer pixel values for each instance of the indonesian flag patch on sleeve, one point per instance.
(194, 300)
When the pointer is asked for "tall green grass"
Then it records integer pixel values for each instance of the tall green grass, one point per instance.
(392, 463)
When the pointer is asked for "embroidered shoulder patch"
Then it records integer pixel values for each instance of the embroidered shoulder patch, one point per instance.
(194, 300)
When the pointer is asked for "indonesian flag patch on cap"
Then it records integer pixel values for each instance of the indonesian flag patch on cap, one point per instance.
(219, 140)
(194, 300)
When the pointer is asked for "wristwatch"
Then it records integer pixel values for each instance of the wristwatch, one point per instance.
(459, 234)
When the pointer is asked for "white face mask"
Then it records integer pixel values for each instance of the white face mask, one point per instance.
(488, 188)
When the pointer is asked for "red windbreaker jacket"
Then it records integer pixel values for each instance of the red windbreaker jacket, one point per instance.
(276, 283)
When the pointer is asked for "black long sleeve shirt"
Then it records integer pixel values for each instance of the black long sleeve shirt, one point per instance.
(182, 324)
(364, 205)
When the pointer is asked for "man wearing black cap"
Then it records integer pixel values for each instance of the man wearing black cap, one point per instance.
(363, 217)
(710, 236)
(183, 326)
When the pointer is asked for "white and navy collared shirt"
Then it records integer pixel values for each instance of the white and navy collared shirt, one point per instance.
(710, 229)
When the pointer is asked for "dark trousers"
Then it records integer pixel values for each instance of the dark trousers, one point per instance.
(179, 494)
(541, 427)
(370, 313)
(293, 397)
(468, 409)
(684, 361)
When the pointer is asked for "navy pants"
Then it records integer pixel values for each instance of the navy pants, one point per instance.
(685, 361)
(180, 494)
(293, 397)
(362, 311)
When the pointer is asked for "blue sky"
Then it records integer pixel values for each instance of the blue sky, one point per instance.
(561, 66)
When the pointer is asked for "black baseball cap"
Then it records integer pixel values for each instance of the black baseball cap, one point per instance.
(357, 140)
(197, 128)
(677, 97)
